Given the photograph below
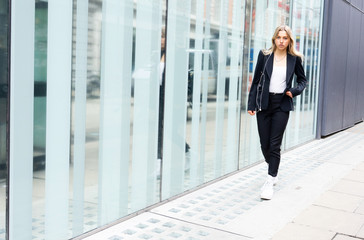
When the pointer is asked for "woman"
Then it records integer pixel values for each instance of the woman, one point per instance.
(271, 95)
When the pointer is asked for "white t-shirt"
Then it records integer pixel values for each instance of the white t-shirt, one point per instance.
(278, 80)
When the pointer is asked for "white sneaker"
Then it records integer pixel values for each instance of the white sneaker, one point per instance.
(275, 180)
(267, 189)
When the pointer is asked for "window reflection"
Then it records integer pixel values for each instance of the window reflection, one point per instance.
(162, 106)
(211, 79)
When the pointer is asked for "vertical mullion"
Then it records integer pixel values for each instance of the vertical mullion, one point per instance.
(80, 116)
(146, 98)
(288, 135)
(175, 96)
(240, 83)
(234, 106)
(305, 94)
(205, 81)
(115, 110)
(221, 73)
(58, 118)
(310, 85)
(21, 119)
(251, 136)
(317, 90)
(126, 104)
(196, 95)
(315, 84)
(262, 11)
(298, 113)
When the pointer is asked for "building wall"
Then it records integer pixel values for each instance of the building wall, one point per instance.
(106, 120)
(342, 96)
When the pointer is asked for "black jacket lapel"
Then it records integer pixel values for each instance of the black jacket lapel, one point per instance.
(269, 67)
(291, 62)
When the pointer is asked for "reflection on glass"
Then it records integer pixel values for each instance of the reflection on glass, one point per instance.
(202, 92)
(4, 29)
(157, 110)
(115, 111)
(40, 79)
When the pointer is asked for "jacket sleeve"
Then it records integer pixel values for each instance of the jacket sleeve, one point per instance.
(253, 88)
(301, 78)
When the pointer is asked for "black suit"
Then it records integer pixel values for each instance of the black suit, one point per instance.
(273, 113)
(294, 66)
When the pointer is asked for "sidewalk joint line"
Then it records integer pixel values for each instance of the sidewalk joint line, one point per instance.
(198, 224)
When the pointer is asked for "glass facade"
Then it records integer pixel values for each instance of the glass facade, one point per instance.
(133, 102)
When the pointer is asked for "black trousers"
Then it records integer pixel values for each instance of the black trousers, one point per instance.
(271, 126)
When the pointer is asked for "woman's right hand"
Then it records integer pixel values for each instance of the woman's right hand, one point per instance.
(252, 113)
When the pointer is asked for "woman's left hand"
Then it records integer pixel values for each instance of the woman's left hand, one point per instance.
(289, 94)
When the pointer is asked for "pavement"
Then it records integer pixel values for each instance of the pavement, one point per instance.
(320, 195)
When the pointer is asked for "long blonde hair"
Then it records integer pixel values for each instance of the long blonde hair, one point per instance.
(291, 47)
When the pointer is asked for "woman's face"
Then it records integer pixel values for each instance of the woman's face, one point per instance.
(282, 40)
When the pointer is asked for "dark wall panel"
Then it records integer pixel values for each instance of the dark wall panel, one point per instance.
(335, 71)
(359, 112)
(342, 83)
(352, 69)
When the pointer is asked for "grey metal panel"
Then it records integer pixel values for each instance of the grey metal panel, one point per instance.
(360, 94)
(352, 69)
(336, 57)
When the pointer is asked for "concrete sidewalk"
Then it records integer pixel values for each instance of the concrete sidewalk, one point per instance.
(320, 195)
(338, 213)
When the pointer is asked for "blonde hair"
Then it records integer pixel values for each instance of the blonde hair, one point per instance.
(291, 47)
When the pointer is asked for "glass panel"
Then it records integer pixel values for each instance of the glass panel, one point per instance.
(234, 65)
(79, 117)
(59, 52)
(174, 139)
(113, 129)
(4, 76)
(133, 113)
(203, 79)
(86, 114)
(116, 79)
(21, 120)
(145, 188)
(39, 126)
(116, 109)
(40, 80)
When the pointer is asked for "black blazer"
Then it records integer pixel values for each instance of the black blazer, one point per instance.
(294, 66)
